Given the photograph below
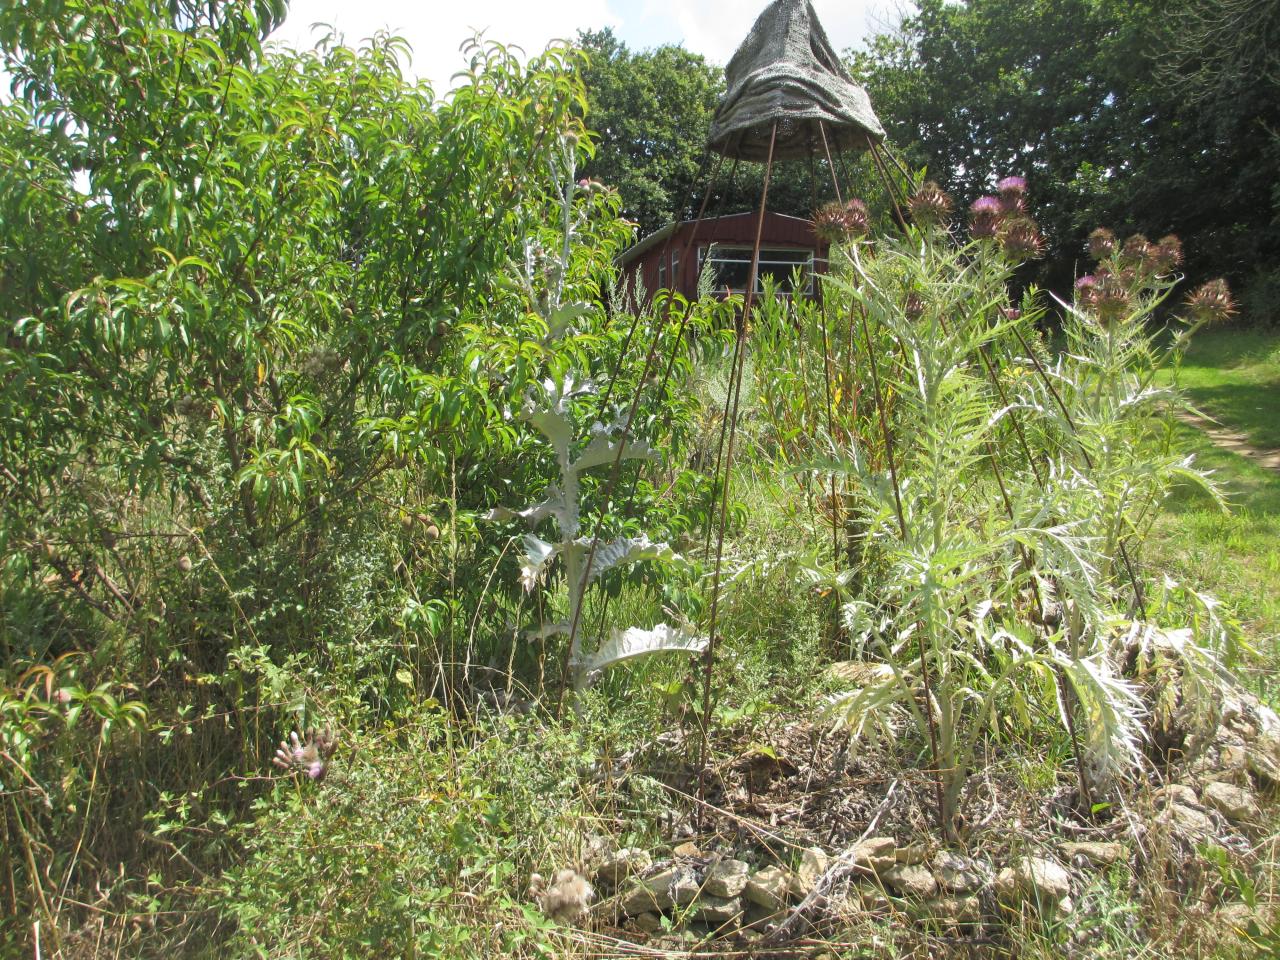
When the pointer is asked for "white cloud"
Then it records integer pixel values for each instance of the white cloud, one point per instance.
(436, 30)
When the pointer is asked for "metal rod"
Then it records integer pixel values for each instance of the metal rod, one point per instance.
(736, 389)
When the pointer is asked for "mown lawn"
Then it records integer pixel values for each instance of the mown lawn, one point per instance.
(1234, 376)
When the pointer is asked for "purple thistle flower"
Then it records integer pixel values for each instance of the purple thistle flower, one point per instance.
(1087, 282)
(986, 206)
(1012, 186)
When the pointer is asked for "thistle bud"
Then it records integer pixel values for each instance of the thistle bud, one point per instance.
(1013, 194)
(1102, 243)
(930, 205)
(914, 307)
(1021, 240)
(836, 222)
(1166, 256)
(1212, 302)
(1137, 249)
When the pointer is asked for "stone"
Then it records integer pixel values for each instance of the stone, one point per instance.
(623, 864)
(1038, 881)
(685, 889)
(657, 893)
(956, 874)
(875, 855)
(650, 923)
(717, 911)
(727, 879)
(768, 887)
(1178, 793)
(954, 910)
(1091, 853)
(911, 880)
(913, 854)
(813, 864)
(688, 849)
(1234, 803)
(1188, 821)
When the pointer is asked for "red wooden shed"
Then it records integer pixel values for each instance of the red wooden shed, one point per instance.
(659, 261)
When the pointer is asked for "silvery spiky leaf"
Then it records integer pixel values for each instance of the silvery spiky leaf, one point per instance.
(624, 551)
(538, 556)
(546, 631)
(1112, 715)
(872, 709)
(601, 450)
(555, 505)
(637, 642)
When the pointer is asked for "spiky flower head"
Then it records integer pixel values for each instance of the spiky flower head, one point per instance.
(1013, 195)
(985, 215)
(1166, 256)
(1012, 187)
(930, 205)
(1212, 302)
(310, 755)
(1137, 249)
(914, 307)
(837, 222)
(1102, 243)
(1102, 294)
(1011, 313)
(1021, 240)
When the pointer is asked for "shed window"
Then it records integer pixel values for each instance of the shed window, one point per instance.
(731, 267)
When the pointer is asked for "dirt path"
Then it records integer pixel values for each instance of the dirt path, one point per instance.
(1234, 441)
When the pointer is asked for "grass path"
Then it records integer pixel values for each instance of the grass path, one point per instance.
(1234, 377)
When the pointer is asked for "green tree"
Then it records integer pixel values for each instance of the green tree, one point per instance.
(1084, 99)
(265, 316)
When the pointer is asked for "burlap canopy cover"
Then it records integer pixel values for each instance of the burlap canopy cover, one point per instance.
(786, 71)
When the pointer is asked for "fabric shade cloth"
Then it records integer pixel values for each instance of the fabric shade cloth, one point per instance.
(786, 72)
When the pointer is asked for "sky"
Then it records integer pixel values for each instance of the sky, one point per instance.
(436, 29)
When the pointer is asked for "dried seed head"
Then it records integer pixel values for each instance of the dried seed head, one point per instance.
(1212, 302)
(930, 205)
(1021, 240)
(184, 563)
(914, 307)
(1102, 243)
(567, 899)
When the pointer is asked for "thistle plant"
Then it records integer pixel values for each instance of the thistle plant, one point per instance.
(1005, 496)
